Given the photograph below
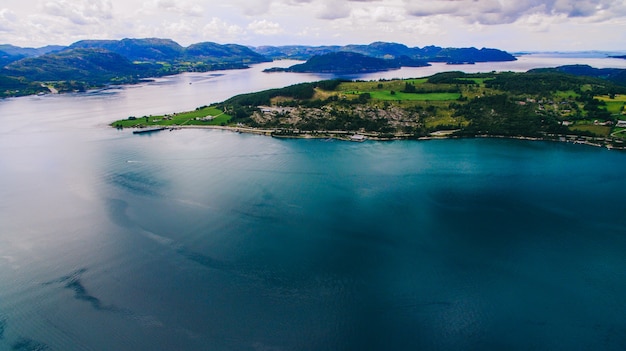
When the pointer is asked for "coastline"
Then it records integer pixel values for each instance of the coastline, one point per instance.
(437, 135)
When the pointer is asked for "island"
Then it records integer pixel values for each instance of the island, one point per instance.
(349, 63)
(545, 105)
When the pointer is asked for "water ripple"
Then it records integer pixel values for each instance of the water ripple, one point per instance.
(73, 282)
(3, 325)
(27, 344)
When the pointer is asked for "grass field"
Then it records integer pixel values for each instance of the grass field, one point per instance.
(615, 105)
(602, 131)
(372, 86)
(177, 119)
(617, 98)
(382, 90)
(479, 81)
(566, 94)
(387, 96)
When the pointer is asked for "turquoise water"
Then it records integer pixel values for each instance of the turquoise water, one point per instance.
(217, 240)
(212, 240)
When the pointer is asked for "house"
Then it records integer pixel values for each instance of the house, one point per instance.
(621, 124)
(357, 137)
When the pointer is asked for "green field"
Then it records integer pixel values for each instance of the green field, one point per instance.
(614, 105)
(178, 119)
(371, 86)
(479, 81)
(566, 94)
(388, 96)
(602, 131)
(393, 90)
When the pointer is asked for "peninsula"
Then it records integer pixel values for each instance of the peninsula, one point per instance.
(547, 105)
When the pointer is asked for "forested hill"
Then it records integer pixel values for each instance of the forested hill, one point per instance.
(96, 66)
(349, 63)
(391, 51)
(167, 50)
(615, 75)
(93, 63)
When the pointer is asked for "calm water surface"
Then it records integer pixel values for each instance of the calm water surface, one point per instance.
(210, 240)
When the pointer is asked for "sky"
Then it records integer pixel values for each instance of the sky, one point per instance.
(513, 25)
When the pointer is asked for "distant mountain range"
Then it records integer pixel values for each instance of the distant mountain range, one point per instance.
(92, 63)
(167, 50)
(391, 51)
(10, 53)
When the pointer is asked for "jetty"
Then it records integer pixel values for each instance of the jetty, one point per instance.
(148, 130)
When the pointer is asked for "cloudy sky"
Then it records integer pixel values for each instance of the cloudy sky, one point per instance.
(505, 24)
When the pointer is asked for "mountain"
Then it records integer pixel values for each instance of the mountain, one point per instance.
(345, 62)
(92, 63)
(295, 52)
(213, 52)
(96, 66)
(151, 49)
(29, 52)
(166, 50)
(11, 53)
(615, 75)
(391, 51)
(381, 50)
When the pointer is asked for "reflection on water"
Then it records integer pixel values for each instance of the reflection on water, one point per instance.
(192, 238)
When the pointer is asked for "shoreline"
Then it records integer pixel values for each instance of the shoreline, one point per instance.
(437, 135)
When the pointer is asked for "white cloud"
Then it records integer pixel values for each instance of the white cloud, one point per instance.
(7, 17)
(331, 10)
(219, 30)
(187, 8)
(251, 7)
(81, 12)
(380, 14)
(265, 27)
(508, 11)
(491, 23)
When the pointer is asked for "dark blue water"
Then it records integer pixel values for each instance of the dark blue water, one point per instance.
(211, 240)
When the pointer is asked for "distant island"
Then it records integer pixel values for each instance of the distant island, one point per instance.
(96, 63)
(391, 51)
(541, 104)
(345, 62)
(376, 57)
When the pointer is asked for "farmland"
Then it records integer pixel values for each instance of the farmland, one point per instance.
(506, 104)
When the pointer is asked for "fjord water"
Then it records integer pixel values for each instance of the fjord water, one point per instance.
(211, 240)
